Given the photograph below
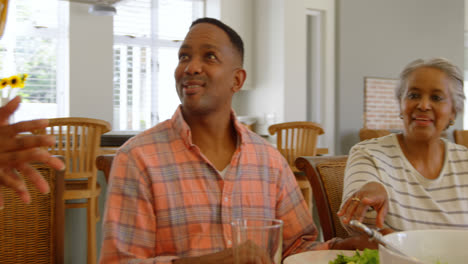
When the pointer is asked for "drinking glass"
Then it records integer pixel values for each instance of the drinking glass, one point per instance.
(257, 240)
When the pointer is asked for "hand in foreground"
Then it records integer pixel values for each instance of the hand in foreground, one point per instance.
(359, 242)
(16, 152)
(372, 194)
(249, 253)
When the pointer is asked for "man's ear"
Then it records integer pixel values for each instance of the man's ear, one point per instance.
(239, 79)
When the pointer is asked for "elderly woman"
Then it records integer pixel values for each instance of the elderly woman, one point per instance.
(416, 179)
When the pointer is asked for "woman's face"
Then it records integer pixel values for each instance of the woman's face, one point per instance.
(427, 105)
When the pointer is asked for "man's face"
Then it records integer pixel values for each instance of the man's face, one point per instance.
(207, 74)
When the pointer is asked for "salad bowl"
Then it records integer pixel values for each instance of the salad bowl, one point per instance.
(436, 246)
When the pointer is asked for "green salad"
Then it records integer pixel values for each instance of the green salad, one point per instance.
(368, 256)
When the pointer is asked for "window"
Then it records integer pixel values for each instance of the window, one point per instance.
(35, 43)
(147, 36)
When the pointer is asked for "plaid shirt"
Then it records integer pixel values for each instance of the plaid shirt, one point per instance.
(166, 200)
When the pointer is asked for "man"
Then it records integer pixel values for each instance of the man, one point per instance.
(175, 188)
(16, 152)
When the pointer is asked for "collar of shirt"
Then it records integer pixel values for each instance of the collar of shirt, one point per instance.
(183, 130)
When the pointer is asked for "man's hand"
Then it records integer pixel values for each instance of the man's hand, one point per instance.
(248, 253)
(18, 151)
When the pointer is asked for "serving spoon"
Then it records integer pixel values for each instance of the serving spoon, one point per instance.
(377, 236)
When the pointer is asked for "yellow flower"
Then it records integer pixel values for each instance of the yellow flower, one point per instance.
(15, 81)
(3, 83)
(22, 80)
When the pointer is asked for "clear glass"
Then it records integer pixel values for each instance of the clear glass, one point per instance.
(257, 239)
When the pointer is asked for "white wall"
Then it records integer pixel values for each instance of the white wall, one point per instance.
(91, 70)
(280, 63)
(378, 38)
(466, 15)
(268, 62)
(91, 64)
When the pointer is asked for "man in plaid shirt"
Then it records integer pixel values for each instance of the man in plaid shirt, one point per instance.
(175, 188)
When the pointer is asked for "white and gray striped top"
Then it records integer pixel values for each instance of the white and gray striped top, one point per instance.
(415, 202)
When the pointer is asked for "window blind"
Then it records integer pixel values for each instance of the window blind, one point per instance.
(31, 44)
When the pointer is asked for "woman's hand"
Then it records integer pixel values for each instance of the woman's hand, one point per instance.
(18, 151)
(359, 242)
(372, 194)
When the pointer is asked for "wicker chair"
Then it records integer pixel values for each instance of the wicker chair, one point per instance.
(326, 176)
(295, 139)
(366, 133)
(34, 233)
(78, 140)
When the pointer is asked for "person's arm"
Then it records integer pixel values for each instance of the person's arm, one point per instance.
(226, 257)
(371, 195)
(18, 151)
(248, 253)
(129, 225)
(358, 242)
(363, 192)
(299, 231)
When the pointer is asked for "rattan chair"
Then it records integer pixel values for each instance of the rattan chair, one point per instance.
(295, 139)
(326, 175)
(78, 140)
(366, 133)
(34, 233)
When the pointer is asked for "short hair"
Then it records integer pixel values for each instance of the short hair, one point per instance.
(235, 39)
(451, 70)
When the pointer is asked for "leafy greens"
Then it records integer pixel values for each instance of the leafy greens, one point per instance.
(368, 256)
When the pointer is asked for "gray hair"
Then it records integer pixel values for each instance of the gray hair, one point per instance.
(453, 72)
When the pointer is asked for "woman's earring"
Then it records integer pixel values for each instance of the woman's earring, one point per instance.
(401, 116)
(451, 123)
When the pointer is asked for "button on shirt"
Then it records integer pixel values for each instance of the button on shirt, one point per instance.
(166, 200)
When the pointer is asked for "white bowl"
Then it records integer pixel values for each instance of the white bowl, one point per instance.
(429, 246)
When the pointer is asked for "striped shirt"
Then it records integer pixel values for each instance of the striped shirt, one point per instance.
(166, 200)
(415, 202)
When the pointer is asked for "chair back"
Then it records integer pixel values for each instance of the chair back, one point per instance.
(104, 164)
(78, 140)
(326, 175)
(367, 133)
(34, 233)
(295, 139)
(461, 137)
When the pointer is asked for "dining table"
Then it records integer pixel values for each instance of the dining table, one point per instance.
(316, 256)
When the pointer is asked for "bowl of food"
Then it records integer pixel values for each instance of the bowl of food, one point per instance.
(437, 246)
